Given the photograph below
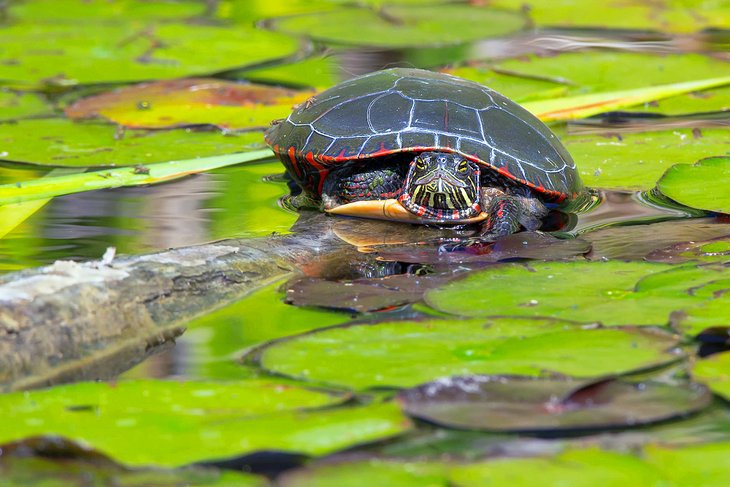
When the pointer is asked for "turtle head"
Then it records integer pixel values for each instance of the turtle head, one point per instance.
(441, 186)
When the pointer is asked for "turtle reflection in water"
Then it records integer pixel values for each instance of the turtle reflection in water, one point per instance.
(423, 147)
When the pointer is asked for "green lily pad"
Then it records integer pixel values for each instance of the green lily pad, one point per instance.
(709, 284)
(172, 424)
(59, 11)
(715, 250)
(96, 53)
(665, 15)
(521, 404)
(701, 185)
(578, 468)
(192, 101)
(404, 354)
(376, 471)
(47, 472)
(714, 371)
(60, 142)
(596, 71)
(402, 25)
(703, 464)
(14, 105)
(579, 291)
(636, 161)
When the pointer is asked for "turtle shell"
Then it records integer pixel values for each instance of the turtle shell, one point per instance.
(412, 110)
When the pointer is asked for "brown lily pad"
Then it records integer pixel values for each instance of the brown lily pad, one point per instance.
(193, 101)
(362, 295)
(523, 245)
(713, 250)
(523, 404)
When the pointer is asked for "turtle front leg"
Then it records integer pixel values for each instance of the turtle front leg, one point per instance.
(508, 212)
(340, 187)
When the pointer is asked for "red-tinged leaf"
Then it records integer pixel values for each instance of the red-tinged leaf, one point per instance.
(193, 101)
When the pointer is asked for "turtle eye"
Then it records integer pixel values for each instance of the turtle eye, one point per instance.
(420, 164)
(463, 166)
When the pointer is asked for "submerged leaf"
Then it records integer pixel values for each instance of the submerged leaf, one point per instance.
(193, 101)
(361, 295)
(404, 354)
(714, 250)
(519, 404)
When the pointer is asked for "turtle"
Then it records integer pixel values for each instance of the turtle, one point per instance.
(424, 147)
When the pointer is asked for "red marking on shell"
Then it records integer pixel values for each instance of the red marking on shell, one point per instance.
(291, 152)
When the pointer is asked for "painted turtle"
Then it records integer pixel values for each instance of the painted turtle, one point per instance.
(418, 146)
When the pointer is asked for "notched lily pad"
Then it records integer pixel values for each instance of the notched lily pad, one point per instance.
(407, 353)
(522, 404)
(715, 250)
(362, 295)
(403, 25)
(194, 101)
(523, 245)
(636, 161)
(702, 185)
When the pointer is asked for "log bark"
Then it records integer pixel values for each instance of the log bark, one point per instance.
(92, 320)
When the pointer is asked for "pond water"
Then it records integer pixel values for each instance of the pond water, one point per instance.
(634, 286)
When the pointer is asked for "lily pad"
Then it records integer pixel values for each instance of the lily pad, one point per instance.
(193, 101)
(404, 354)
(579, 291)
(578, 468)
(403, 26)
(665, 15)
(60, 142)
(635, 242)
(58, 11)
(14, 105)
(19, 472)
(172, 424)
(703, 464)
(376, 471)
(714, 371)
(92, 52)
(714, 250)
(523, 245)
(361, 295)
(519, 404)
(636, 161)
(701, 185)
(596, 71)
